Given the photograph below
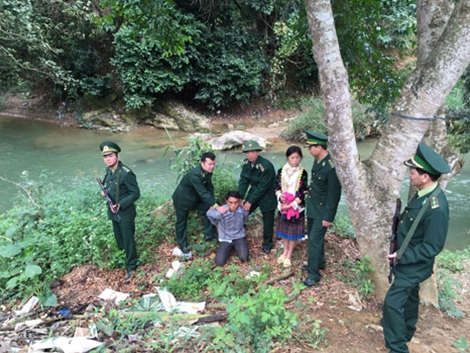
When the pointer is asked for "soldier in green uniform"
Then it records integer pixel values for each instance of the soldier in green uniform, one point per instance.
(256, 186)
(195, 192)
(121, 185)
(414, 262)
(322, 203)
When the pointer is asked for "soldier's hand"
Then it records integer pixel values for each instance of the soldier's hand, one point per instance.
(392, 257)
(246, 206)
(326, 224)
(221, 209)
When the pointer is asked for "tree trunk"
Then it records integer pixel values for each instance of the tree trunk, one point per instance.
(372, 186)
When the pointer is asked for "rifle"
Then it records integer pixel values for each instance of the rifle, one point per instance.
(393, 238)
(108, 198)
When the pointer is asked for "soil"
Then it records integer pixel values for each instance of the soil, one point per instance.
(352, 325)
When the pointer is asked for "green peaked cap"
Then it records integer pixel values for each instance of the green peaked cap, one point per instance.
(316, 138)
(428, 160)
(108, 147)
(251, 145)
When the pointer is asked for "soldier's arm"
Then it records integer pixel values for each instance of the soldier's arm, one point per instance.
(435, 225)
(243, 183)
(265, 185)
(130, 181)
(205, 194)
(333, 197)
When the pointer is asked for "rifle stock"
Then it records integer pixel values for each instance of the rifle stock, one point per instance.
(393, 238)
(108, 198)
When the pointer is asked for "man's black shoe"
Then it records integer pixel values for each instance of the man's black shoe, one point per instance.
(185, 250)
(266, 250)
(128, 275)
(310, 282)
(209, 238)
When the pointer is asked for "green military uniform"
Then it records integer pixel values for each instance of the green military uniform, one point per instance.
(322, 203)
(123, 189)
(401, 305)
(256, 186)
(194, 192)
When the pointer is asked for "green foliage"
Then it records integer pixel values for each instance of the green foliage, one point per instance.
(191, 283)
(188, 157)
(364, 123)
(448, 263)
(313, 116)
(225, 284)
(258, 320)
(458, 114)
(452, 261)
(316, 337)
(343, 227)
(448, 294)
(370, 68)
(462, 345)
(146, 68)
(356, 274)
(49, 231)
(399, 23)
(234, 74)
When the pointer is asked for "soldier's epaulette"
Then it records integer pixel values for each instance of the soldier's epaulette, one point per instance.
(126, 169)
(261, 167)
(434, 203)
(245, 162)
(331, 163)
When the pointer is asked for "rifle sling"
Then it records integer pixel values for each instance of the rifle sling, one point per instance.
(412, 230)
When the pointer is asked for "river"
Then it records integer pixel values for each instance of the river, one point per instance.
(61, 153)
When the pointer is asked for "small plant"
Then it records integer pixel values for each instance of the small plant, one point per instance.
(447, 293)
(452, 261)
(316, 337)
(462, 345)
(191, 283)
(357, 275)
(343, 227)
(257, 320)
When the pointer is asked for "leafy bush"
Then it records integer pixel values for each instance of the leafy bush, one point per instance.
(313, 118)
(447, 293)
(191, 283)
(229, 67)
(49, 231)
(257, 320)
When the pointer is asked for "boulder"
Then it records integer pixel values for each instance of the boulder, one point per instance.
(235, 139)
(173, 115)
(103, 119)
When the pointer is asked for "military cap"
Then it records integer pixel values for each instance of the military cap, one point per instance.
(251, 145)
(108, 147)
(315, 138)
(428, 160)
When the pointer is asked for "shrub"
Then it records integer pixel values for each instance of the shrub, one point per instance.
(49, 231)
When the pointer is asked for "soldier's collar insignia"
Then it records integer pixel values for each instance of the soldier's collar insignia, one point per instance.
(434, 203)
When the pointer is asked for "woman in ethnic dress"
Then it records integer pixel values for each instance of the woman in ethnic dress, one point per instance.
(291, 187)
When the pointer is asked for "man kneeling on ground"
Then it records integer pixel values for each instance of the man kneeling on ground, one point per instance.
(230, 220)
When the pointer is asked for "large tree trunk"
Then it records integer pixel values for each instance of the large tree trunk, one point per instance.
(432, 18)
(372, 186)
